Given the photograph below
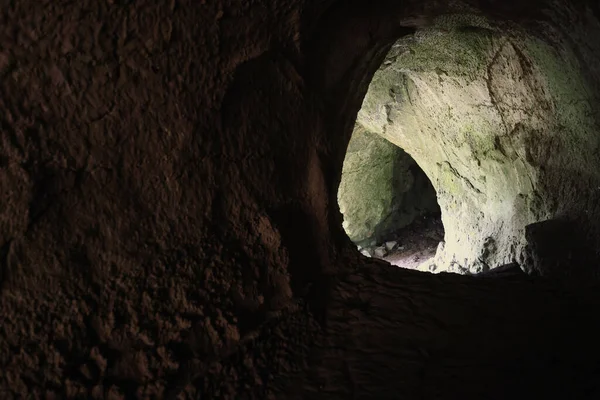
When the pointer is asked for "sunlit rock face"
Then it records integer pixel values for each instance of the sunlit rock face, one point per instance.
(382, 189)
(501, 123)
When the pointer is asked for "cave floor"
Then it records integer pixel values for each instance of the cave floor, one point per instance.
(417, 242)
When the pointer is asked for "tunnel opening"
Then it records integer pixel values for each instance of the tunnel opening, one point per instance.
(389, 205)
(477, 108)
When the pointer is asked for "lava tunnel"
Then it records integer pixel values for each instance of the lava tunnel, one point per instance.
(176, 213)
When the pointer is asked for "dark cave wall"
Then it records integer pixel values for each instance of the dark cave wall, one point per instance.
(144, 192)
(168, 176)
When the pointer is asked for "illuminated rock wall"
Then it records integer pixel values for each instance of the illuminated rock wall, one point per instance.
(501, 124)
(382, 189)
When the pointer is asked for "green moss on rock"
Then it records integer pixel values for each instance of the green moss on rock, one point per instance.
(499, 122)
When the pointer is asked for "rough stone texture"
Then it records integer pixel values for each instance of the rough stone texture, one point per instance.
(169, 225)
(559, 248)
(501, 122)
(522, 354)
(382, 189)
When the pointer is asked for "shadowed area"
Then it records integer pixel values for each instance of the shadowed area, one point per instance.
(477, 107)
(385, 199)
(169, 216)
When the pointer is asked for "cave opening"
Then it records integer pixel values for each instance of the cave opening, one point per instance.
(389, 205)
(169, 176)
(460, 109)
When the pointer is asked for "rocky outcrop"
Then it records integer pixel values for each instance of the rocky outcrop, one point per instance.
(382, 189)
(559, 247)
(500, 121)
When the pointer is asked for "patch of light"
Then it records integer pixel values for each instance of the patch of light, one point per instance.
(411, 261)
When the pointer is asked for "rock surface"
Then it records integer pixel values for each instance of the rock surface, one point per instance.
(169, 225)
(500, 122)
(382, 189)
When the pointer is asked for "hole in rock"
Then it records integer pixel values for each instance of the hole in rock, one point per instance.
(389, 205)
(466, 114)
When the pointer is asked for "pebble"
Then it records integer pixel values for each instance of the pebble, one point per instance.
(380, 252)
(390, 245)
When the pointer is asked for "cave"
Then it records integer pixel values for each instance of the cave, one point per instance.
(389, 205)
(169, 216)
(467, 101)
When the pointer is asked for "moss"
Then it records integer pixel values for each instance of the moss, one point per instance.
(471, 22)
(449, 51)
(480, 139)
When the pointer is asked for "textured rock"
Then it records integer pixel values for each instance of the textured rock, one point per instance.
(481, 111)
(169, 225)
(389, 246)
(379, 252)
(560, 248)
(382, 189)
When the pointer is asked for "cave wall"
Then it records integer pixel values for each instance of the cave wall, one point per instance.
(144, 194)
(382, 189)
(502, 123)
(168, 223)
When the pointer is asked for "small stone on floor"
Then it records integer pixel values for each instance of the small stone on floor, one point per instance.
(380, 252)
